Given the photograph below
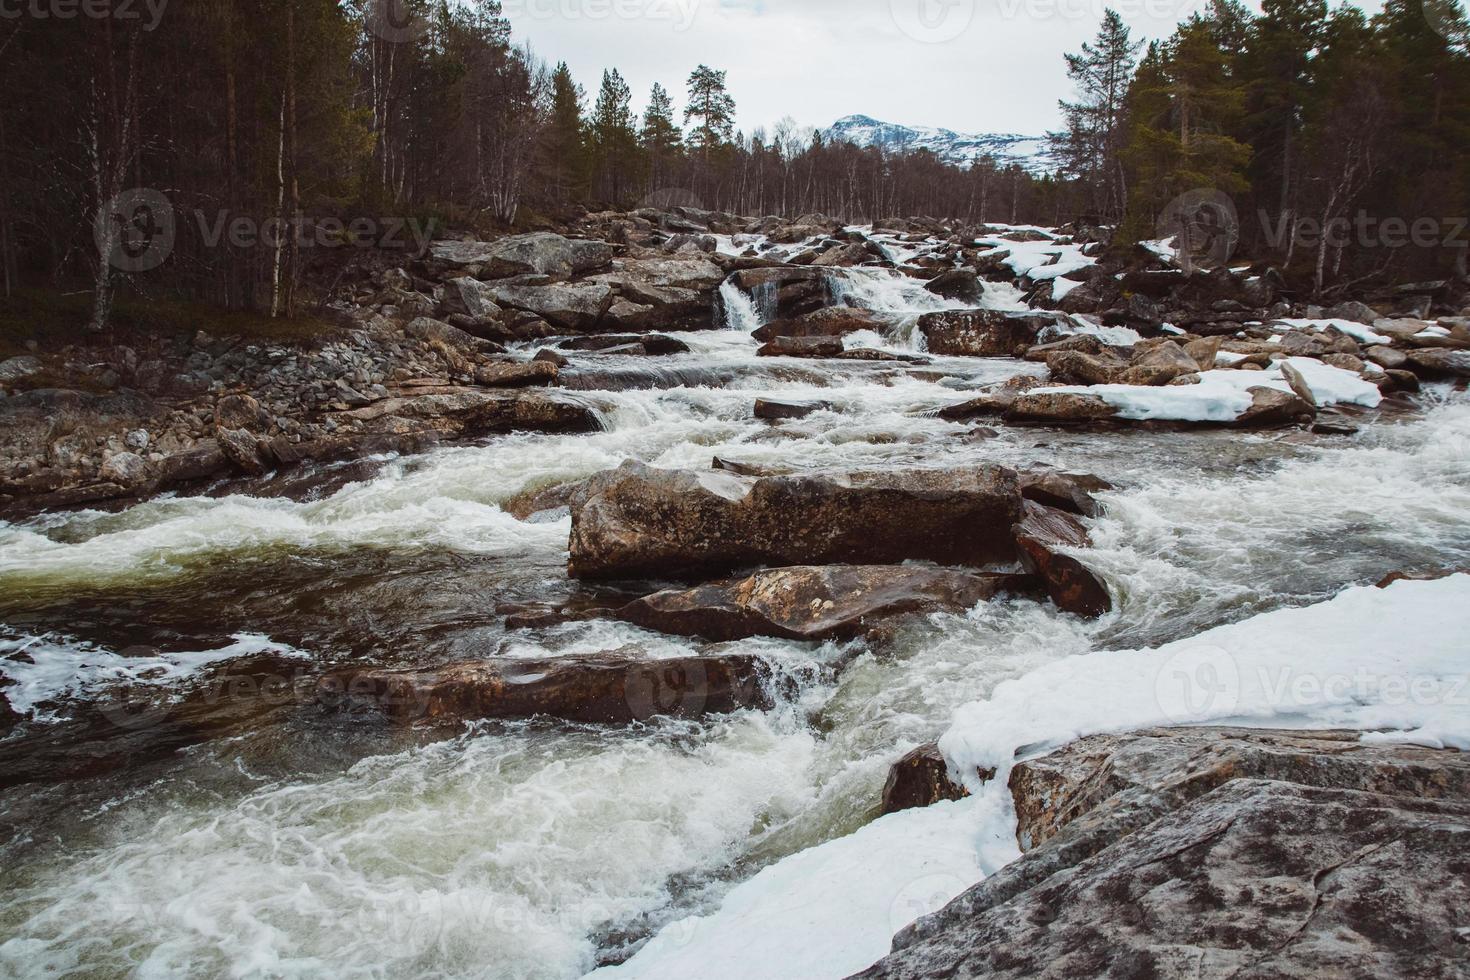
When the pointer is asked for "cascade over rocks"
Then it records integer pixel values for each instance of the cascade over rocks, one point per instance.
(829, 321)
(640, 522)
(821, 602)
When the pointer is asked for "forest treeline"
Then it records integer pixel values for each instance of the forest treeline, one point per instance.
(271, 127)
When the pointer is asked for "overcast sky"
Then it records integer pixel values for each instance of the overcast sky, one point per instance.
(967, 65)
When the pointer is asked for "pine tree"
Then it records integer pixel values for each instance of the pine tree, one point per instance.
(713, 107)
(614, 144)
(660, 136)
(564, 146)
(1090, 146)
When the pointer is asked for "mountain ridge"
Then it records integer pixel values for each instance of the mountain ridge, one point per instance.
(961, 149)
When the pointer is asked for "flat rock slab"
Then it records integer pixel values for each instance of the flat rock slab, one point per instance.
(812, 602)
(602, 689)
(641, 522)
(1214, 852)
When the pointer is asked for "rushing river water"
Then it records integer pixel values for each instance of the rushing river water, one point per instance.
(177, 804)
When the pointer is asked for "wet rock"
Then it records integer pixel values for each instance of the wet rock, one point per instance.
(920, 778)
(551, 357)
(1216, 852)
(829, 321)
(958, 285)
(982, 333)
(637, 521)
(1440, 362)
(515, 374)
(543, 500)
(801, 347)
(773, 411)
(821, 602)
(437, 332)
(202, 462)
(1270, 406)
(1041, 535)
(1429, 576)
(607, 689)
(1387, 357)
(1059, 408)
(473, 411)
(1071, 492)
(994, 402)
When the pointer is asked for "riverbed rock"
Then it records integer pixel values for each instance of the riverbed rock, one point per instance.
(829, 321)
(812, 602)
(515, 374)
(958, 285)
(474, 411)
(982, 333)
(538, 253)
(774, 411)
(125, 469)
(637, 521)
(920, 778)
(612, 688)
(1041, 535)
(578, 307)
(1084, 368)
(801, 347)
(1440, 362)
(1058, 408)
(1213, 852)
(1071, 492)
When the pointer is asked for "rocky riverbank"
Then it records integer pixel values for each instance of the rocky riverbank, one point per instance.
(693, 525)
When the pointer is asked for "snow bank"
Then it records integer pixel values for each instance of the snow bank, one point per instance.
(828, 911)
(1387, 661)
(1222, 395)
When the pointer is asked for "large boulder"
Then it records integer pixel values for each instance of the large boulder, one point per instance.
(665, 292)
(474, 411)
(1058, 408)
(811, 602)
(539, 253)
(982, 333)
(610, 688)
(801, 347)
(829, 321)
(958, 285)
(577, 307)
(641, 522)
(1212, 852)
(1440, 362)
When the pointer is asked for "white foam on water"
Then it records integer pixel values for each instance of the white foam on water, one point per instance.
(740, 312)
(46, 672)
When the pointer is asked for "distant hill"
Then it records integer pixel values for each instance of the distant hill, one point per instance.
(957, 148)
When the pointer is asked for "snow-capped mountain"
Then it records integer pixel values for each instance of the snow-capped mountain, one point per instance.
(958, 148)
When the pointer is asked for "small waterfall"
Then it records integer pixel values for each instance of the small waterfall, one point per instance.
(739, 309)
(767, 301)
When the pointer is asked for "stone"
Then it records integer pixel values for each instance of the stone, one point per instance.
(637, 521)
(958, 285)
(1158, 365)
(1214, 852)
(1298, 384)
(1270, 406)
(606, 689)
(1059, 408)
(773, 411)
(829, 321)
(982, 333)
(515, 374)
(539, 253)
(471, 297)
(812, 602)
(1079, 367)
(993, 402)
(1352, 310)
(125, 469)
(244, 449)
(1071, 492)
(920, 778)
(1041, 535)
(801, 347)
(1440, 362)
(1205, 352)
(19, 368)
(1387, 357)
(241, 412)
(577, 307)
